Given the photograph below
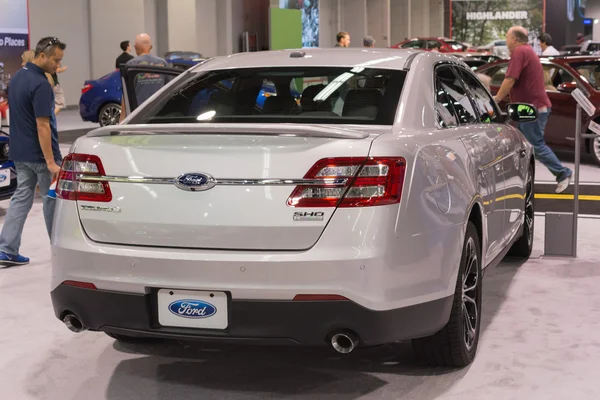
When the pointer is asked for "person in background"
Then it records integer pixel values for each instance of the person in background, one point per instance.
(546, 45)
(59, 94)
(369, 41)
(343, 39)
(524, 82)
(125, 55)
(435, 46)
(580, 39)
(146, 85)
(33, 145)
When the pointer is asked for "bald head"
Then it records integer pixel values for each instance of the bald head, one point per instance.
(515, 37)
(143, 44)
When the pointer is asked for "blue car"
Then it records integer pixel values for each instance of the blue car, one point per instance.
(8, 173)
(101, 99)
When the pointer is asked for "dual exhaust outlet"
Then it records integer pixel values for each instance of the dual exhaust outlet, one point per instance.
(342, 342)
(74, 324)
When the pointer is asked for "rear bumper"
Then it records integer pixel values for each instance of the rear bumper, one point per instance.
(253, 321)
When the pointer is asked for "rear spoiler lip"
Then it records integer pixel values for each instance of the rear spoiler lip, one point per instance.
(308, 130)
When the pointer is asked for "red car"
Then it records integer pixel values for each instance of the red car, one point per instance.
(444, 45)
(562, 74)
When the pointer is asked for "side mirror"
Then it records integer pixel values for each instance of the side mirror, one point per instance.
(567, 87)
(522, 112)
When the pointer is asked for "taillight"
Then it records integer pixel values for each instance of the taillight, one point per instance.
(372, 182)
(73, 185)
(86, 88)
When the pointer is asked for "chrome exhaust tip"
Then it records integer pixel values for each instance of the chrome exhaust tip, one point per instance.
(344, 343)
(73, 323)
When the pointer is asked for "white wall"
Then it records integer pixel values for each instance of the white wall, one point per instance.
(108, 28)
(328, 22)
(378, 21)
(436, 17)
(224, 27)
(206, 27)
(399, 21)
(50, 19)
(354, 20)
(181, 21)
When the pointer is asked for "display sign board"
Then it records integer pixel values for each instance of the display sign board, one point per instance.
(484, 23)
(584, 102)
(14, 40)
(310, 19)
(594, 127)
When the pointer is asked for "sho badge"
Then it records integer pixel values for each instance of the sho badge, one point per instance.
(309, 216)
(104, 209)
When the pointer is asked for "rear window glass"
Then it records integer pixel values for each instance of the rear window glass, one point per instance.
(590, 70)
(321, 95)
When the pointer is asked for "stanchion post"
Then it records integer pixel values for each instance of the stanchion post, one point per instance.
(581, 95)
(576, 178)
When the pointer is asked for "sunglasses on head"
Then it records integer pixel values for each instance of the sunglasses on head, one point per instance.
(51, 42)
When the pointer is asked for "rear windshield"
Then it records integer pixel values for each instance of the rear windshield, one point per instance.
(321, 95)
(589, 70)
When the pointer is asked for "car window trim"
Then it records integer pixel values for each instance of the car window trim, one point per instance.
(473, 96)
(436, 66)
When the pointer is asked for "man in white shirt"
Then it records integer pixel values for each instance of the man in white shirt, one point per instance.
(546, 45)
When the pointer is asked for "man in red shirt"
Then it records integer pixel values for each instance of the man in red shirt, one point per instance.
(525, 83)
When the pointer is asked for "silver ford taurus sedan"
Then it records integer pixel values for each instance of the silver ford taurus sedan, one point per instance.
(334, 197)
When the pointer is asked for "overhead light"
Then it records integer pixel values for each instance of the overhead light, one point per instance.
(596, 21)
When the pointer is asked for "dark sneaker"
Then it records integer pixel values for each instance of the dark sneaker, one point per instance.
(9, 260)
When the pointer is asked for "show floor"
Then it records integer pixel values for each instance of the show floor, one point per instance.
(539, 341)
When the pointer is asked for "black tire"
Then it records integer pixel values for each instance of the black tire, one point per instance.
(595, 149)
(455, 345)
(109, 114)
(522, 248)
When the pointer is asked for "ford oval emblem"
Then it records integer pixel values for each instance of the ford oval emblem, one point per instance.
(194, 309)
(3, 178)
(195, 182)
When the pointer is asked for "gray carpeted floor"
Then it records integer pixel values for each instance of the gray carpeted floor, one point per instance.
(540, 341)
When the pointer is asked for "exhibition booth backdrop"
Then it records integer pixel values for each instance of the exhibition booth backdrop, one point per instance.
(14, 40)
(480, 22)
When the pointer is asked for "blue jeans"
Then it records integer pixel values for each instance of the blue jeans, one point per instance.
(534, 132)
(28, 176)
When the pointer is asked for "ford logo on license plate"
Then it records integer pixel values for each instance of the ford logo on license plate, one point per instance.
(195, 182)
(194, 309)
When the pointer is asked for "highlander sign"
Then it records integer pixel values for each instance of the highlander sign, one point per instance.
(483, 22)
(490, 15)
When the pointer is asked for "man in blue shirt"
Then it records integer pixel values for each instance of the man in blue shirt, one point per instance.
(33, 145)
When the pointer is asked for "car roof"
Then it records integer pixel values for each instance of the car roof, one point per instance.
(315, 57)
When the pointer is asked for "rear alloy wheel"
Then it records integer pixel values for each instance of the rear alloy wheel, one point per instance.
(522, 248)
(595, 149)
(455, 345)
(110, 114)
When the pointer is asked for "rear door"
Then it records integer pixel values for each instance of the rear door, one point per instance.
(141, 82)
(509, 144)
(483, 143)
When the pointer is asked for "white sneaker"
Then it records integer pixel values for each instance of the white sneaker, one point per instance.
(563, 185)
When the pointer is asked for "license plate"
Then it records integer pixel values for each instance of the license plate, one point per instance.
(192, 309)
(4, 177)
